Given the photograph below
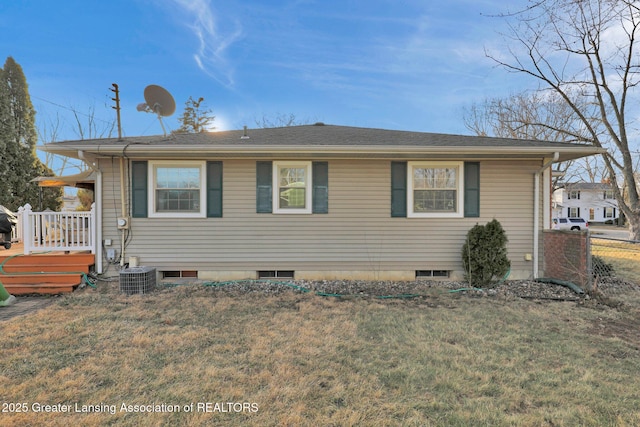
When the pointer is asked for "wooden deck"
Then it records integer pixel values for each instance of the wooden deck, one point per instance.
(45, 273)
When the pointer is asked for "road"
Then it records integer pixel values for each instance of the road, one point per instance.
(609, 232)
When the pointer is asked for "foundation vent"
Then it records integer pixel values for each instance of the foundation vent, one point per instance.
(275, 274)
(432, 274)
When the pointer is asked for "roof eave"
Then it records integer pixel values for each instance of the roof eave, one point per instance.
(248, 150)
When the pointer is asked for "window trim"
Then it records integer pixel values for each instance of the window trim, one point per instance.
(459, 188)
(308, 209)
(611, 210)
(153, 165)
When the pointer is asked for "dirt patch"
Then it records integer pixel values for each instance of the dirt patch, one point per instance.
(627, 330)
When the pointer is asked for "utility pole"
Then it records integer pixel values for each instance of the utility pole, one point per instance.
(117, 108)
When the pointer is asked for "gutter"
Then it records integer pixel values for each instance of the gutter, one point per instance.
(144, 150)
(90, 160)
(536, 212)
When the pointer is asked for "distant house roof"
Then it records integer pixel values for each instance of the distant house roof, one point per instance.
(571, 186)
(321, 141)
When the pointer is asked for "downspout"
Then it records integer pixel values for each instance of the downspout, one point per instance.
(536, 211)
(97, 199)
(98, 212)
(123, 210)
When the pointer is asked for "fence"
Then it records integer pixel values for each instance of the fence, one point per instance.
(615, 266)
(56, 231)
(566, 256)
(607, 266)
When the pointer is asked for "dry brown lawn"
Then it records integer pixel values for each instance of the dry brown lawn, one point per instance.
(194, 356)
(623, 256)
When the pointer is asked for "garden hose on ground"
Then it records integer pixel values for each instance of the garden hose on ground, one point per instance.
(294, 286)
(307, 290)
(27, 273)
(303, 289)
(575, 288)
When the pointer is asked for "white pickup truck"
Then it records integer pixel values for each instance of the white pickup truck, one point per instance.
(570, 224)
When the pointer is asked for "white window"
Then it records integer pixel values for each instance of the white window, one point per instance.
(574, 212)
(435, 189)
(292, 187)
(608, 194)
(177, 189)
(574, 194)
(608, 212)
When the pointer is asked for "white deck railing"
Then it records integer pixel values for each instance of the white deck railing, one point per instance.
(56, 231)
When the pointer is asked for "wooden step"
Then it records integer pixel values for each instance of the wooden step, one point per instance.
(9, 279)
(46, 268)
(44, 273)
(41, 288)
(48, 259)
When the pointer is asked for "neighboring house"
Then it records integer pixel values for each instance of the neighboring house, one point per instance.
(317, 201)
(594, 202)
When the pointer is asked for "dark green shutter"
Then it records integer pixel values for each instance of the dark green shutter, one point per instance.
(398, 189)
(214, 189)
(139, 183)
(471, 189)
(320, 178)
(264, 176)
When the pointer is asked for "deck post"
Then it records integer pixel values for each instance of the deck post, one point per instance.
(27, 233)
(92, 229)
(18, 229)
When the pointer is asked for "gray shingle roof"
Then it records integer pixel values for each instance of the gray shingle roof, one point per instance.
(324, 135)
(587, 186)
(320, 138)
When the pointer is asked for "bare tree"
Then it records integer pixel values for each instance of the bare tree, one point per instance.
(85, 126)
(280, 120)
(88, 127)
(585, 52)
(49, 132)
(535, 116)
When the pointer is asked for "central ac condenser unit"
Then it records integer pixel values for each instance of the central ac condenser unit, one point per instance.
(137, 280)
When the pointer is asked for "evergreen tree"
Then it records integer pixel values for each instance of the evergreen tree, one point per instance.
(484, 254)
(196, 117)
(6, 192)
(18, 141)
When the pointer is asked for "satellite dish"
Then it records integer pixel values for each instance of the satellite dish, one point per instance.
(159, 101)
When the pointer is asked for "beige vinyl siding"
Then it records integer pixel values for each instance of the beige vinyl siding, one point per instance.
(358, 233)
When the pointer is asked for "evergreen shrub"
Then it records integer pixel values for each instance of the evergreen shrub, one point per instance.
(484, 254)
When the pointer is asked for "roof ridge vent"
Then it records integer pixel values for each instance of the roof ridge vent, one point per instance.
(244, 133)
(318, 124)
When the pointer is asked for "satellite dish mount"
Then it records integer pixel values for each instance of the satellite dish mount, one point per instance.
(158, 100)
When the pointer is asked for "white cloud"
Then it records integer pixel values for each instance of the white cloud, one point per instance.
(213, 41)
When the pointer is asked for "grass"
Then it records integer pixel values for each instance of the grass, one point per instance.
(297, 359)
(623, 256)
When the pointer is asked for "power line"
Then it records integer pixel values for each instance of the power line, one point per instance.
(72, 110)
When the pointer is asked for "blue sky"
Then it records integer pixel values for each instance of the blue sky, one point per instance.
(412, 65)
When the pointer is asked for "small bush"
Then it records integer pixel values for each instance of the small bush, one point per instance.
(484, 254)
